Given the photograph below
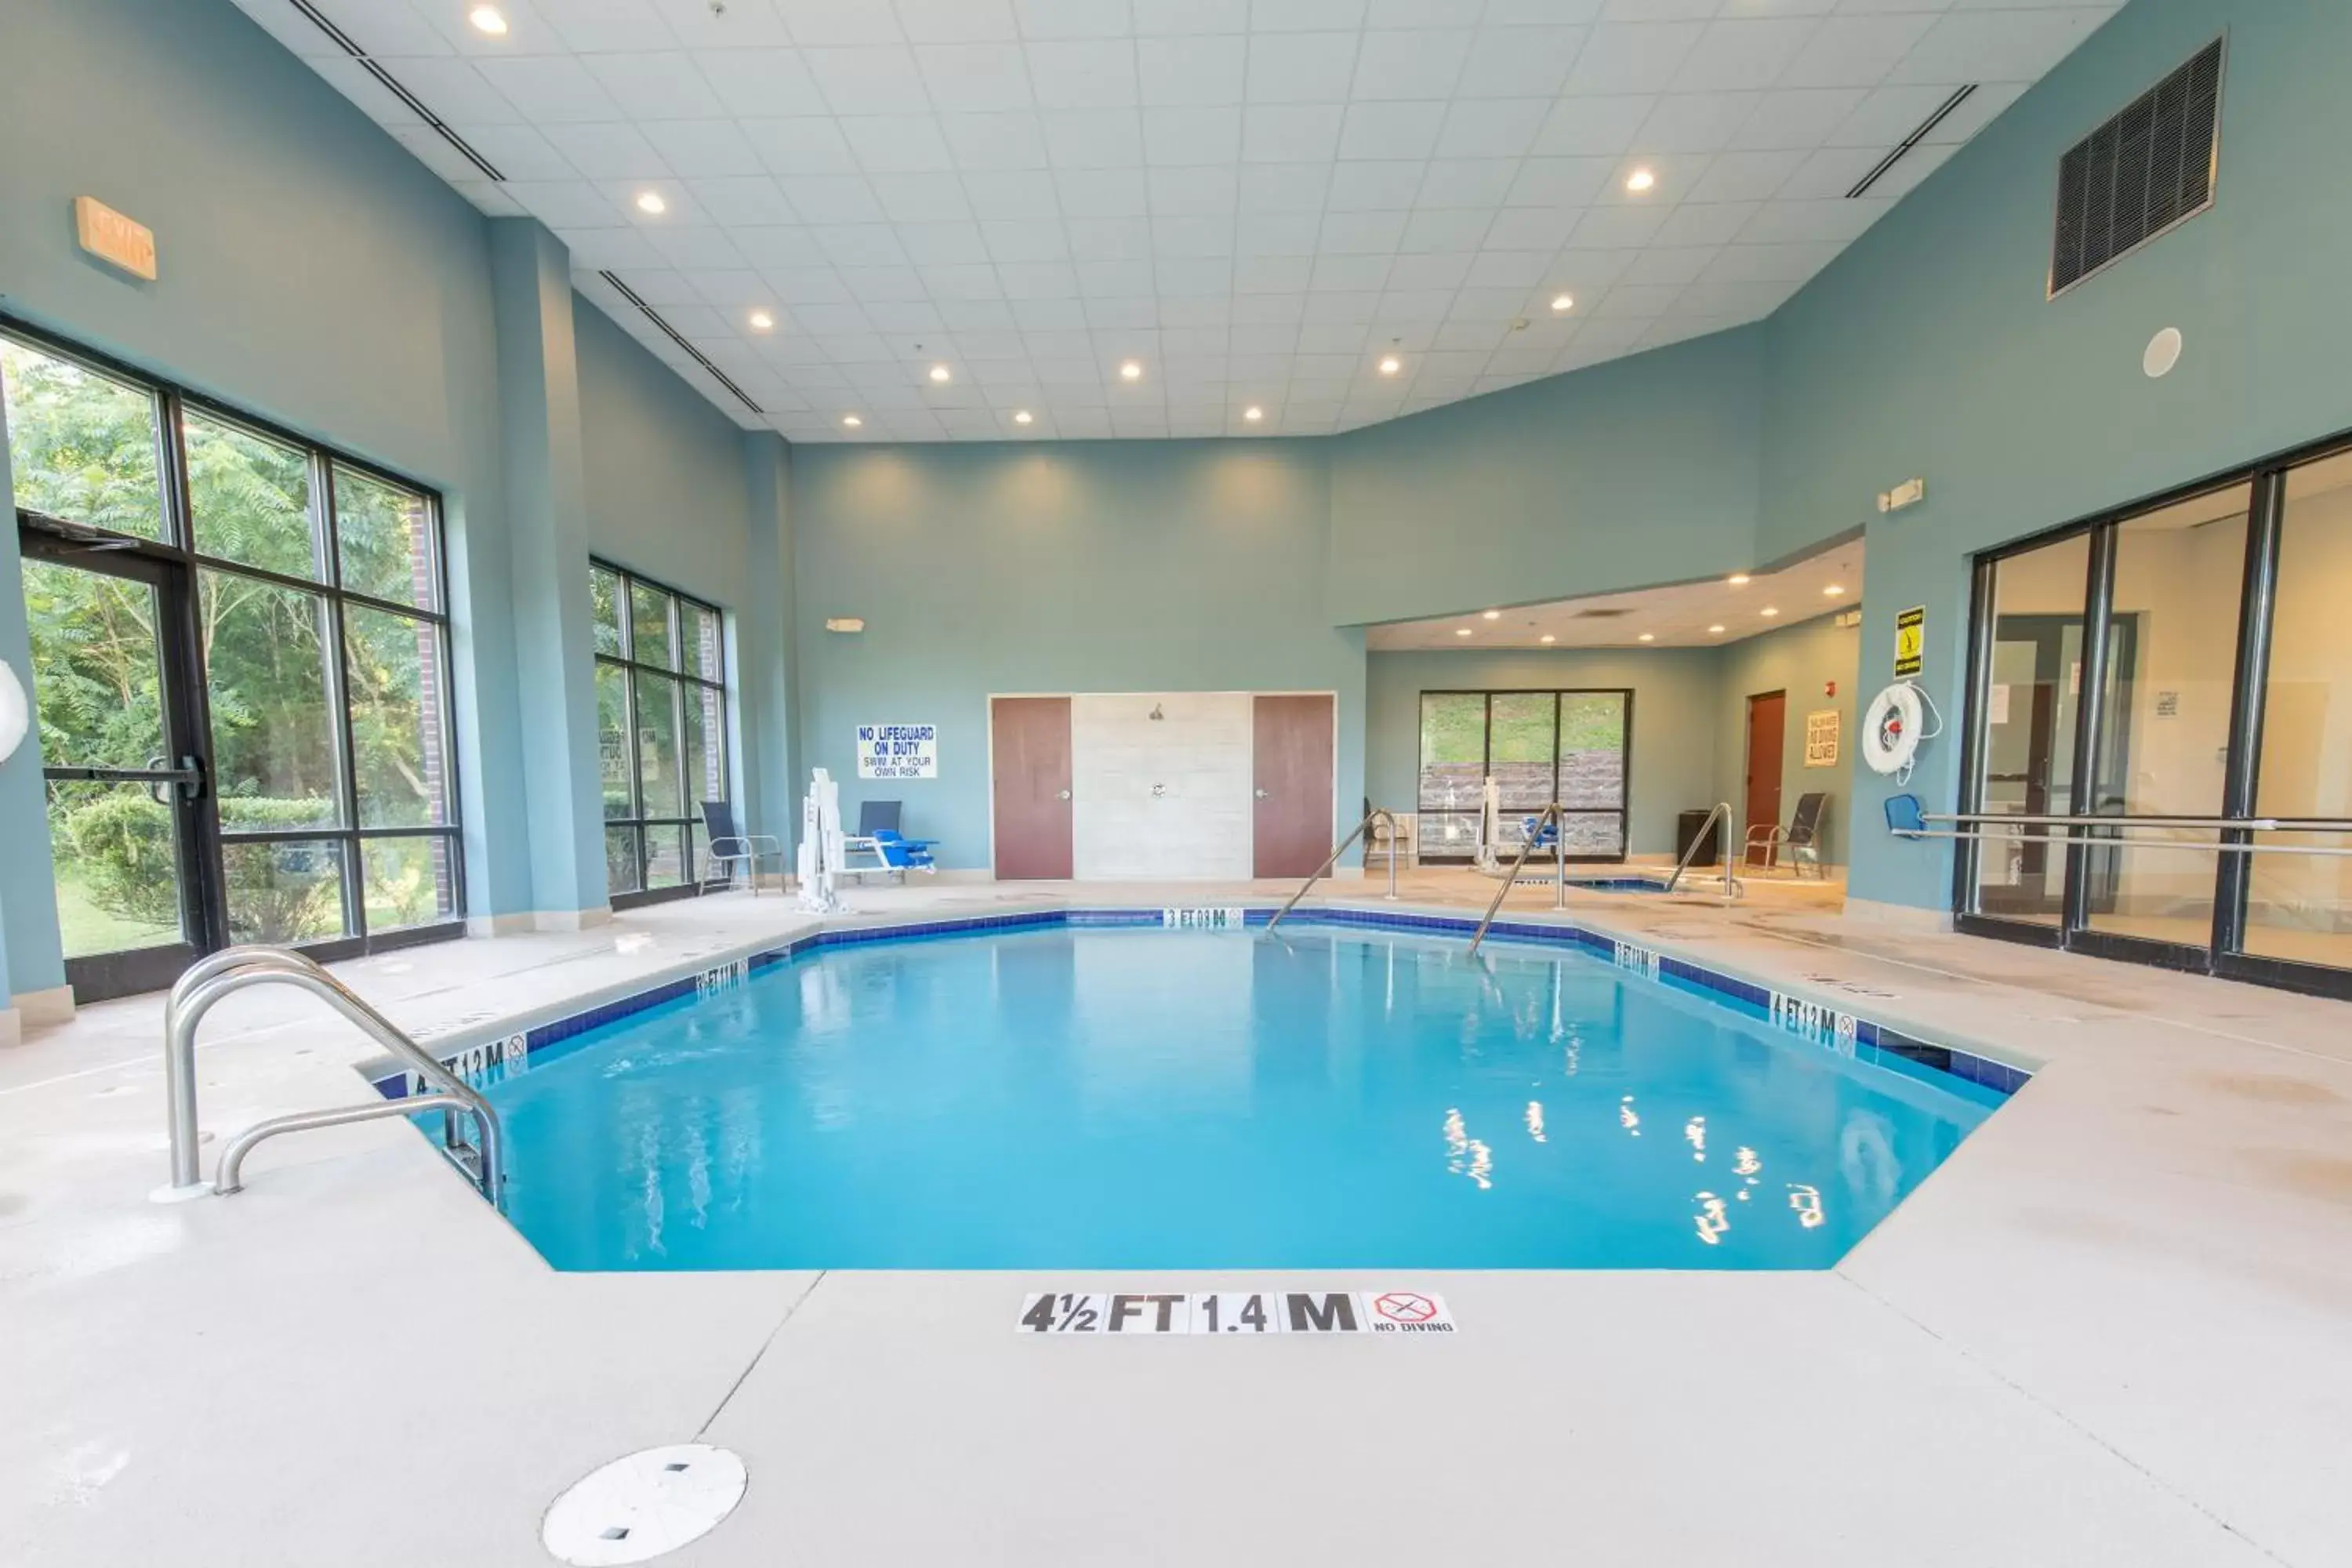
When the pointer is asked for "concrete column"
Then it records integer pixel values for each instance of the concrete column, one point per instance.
(767, 719)
(32, 956)
(546, 499)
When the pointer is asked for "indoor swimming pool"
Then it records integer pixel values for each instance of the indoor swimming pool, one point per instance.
(1324, 1097)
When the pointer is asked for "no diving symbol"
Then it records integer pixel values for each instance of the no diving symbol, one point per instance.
(1404, 1307)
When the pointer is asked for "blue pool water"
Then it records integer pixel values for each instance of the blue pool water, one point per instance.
(1133, 1099)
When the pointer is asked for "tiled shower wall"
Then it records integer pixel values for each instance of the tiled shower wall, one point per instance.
(1163, 797)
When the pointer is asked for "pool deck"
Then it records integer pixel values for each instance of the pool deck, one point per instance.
(2115, 1328)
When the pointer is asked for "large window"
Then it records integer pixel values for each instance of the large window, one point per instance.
(661, 731)
(2180, 670)
(241, 652)
(1538, 747)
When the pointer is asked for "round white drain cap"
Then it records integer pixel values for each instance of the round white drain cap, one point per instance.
(643, 1505)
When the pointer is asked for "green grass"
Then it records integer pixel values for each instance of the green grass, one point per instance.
(87, 928)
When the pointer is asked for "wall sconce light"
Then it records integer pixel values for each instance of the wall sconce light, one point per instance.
(845, 624)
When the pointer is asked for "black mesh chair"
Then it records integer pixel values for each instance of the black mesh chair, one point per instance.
(878, 815)
(1800, 841)
(728, 849)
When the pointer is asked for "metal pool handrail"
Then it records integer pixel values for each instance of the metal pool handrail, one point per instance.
(1378, 812)
(1557, 817)
(234, 968)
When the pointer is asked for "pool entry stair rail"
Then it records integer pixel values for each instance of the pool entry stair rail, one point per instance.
(1377, 814)
(1905, 819)
(1556, 815)
(1731, 888)
(236, 969)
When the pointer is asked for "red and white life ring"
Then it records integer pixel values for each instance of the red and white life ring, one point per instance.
(1891, 729)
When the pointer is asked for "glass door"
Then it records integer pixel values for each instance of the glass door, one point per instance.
(125, 761)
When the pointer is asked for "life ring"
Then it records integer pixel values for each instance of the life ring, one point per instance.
(1891, 728)
(15, 716)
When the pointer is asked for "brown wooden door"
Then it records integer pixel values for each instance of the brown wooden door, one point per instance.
(1767, 733)
(1292, 815)
(1030, 742)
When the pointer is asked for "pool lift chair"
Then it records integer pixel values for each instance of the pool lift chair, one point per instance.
(894, 853)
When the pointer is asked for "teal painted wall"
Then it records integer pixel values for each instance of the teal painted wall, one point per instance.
(1802, 660)
(1641, 471)
(1930, 348)
(988, 569)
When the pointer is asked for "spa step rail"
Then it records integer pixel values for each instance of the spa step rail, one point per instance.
(236, 969)
(1556, 815)
(1731, 884)
(1377, 814)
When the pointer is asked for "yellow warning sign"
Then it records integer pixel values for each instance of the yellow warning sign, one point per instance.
(1910, 642)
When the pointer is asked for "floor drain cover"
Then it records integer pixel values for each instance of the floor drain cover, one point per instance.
(643, 1505)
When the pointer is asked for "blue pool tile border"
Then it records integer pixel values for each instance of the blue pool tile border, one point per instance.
(1845, 1033)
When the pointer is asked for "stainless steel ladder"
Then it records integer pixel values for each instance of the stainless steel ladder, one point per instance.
(1731, 886)
(234, 968)
(1556, 815)
(1377, 814)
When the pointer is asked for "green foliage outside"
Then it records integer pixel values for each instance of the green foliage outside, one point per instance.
(83, 448)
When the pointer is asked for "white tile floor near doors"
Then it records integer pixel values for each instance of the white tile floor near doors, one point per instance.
(2111, 1329)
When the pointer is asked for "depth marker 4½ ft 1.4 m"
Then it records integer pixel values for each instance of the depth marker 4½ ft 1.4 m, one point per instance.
(1396, 1313)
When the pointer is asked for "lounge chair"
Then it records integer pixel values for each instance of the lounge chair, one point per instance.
(728, 849)
(1800, 841)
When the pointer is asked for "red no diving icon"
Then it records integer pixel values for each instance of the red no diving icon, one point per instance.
(1404, 1307)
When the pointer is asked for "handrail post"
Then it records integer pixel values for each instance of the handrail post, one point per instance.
(1384, 813)
(1510, 879)
(1323, 869)
(1559, 857)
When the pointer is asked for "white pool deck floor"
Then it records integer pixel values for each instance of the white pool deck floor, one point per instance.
(2115, 1328)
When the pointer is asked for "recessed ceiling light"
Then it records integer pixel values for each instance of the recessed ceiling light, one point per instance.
(1737, 579)
(1768, 611)
(1833, 590)
(1131, 370)
(1390, 365)
(1563, 302)
(1640, 180)
(939, 373)
(487, 19)
(1494, 615)
(651, 202)
(1253, 414)
(1462, 631)
(1020, 416)
(852, 420)
(762, 321)
(1547, 637)
(1717, 629)
(1648, 637)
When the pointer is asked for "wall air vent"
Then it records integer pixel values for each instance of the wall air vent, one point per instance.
(2146, 169)
(344, 42)
(696, 354)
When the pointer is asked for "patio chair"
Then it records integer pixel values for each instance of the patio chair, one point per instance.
(1800, 841)
(728, 848)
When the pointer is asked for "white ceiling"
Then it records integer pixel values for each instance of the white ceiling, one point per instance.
(1681, 615)
(1253, 199)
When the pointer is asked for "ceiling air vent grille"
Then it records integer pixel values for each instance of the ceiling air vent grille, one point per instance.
(2144, 171)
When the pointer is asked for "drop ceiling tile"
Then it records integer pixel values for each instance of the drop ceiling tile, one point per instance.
(1442, 232)
(1109, 238)
(1705, 224)
(1432, 272)
(1469, 335)
(608, 150)
(1195, 277)
(1300, 67)
(741, 202)
(1854, 51)
(1073, 19)
(1614, 227)
(1422, 64)
(1744, 176)
(798, 286)
(1012, 193)
(1106, 315)
(1360, 233)
(1291, 133)
(491, 200)
(740, 25)
(1744, 54)
(383, 29)
(1799, 117)
(1390, 131)
(804, 145)
(762, 84)
(1518, 271)
(1592, 124)
(1278, 234)
(839, 21)
(1162, 19)
(1285, 187)
(874, 79)
(1306, 16)
(699, 247)
(603, 247)
(870, 284)
(1025, 239)
(1102, 192)
(1205, 235)
(1286, 274)
(1370, 186)
(1520, 62)
(1888, 114)
(1114, 280)
(1049, 281)
(1180, 192)
(703, 149)
(977, 315)
(1674, 176)
(1976, 111)
(549, 89)
(961, 282)
(897, 144)
(433, 150)
(832, 198)
(1190, 70)
(1093, 138)
(1639, 56)
(1484, 183)
(1829, 173)
(1695, 122)
(1561, 182)
(956, 21)
(1189, 136)
(1544, 229)
(1671, 265)
(929, 198)
(1497, 128)
(1089, 74)
(974, 78)
(1010, 140)
(778, 246)
(565, 204)
(1332, 337)
(1998, 45)
(822, 321)
(1348, 274)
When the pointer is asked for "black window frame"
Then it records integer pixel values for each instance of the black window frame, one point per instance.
(2221, 955)
(177, 552)
(1623, 812)
(692, 834)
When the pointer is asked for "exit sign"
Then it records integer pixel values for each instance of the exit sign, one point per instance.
(113, 238)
